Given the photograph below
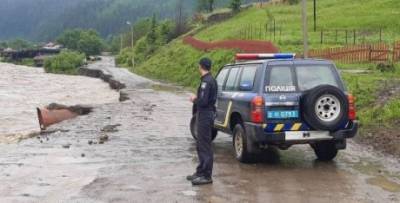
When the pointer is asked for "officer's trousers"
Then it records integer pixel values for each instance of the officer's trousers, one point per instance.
(205, 122)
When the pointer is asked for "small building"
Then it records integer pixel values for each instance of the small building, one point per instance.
(52, 46)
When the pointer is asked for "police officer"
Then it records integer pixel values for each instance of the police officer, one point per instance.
(205, 102)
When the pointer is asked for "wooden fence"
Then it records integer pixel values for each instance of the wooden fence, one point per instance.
(396, 52)
(360, 53)
(350, 36)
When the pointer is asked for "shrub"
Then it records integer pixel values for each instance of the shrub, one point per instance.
(386, 67)
(125, 57)
(67, 62)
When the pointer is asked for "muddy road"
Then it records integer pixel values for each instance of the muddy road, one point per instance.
(140, 150)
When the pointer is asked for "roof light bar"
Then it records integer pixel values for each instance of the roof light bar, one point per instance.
(265, 56)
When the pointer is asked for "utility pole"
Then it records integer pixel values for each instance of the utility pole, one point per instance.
(305, 30)
(315, 15)
(132, 43)
(132, 37)
(131, 26)
(120, 48)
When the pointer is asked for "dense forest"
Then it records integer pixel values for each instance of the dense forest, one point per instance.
(41, 20)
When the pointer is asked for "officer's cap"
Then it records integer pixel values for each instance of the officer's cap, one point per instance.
(206, 63)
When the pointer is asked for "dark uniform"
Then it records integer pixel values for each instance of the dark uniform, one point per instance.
(205, 102)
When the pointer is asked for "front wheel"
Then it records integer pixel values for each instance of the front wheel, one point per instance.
(193, 129)
(325, 150)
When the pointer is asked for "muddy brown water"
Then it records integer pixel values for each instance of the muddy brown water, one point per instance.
(23, 88)
(149, 152)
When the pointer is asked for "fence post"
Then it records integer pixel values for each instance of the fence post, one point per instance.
(336, 36)
(370, 53)
(354, 31)
(380, 34)
(274, 28)
(346, 37)
(322, 36)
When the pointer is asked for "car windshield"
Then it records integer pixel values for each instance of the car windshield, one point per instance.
(310, 76)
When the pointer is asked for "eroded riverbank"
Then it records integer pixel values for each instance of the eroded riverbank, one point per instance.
(23, 88)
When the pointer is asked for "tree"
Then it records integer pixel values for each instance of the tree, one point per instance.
(19, 44)
(205, 5)
(84, 41)
(165, 32)
(90, 43)
(235, 5)
(3, 45)
(152, 35)
(180, 21)
(210, 4)
(69, 39)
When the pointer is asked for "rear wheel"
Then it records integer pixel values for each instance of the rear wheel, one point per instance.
(325, 150)
(193, 129)
(240, 143)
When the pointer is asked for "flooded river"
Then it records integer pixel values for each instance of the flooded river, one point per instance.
(140, 150)
(22, 89)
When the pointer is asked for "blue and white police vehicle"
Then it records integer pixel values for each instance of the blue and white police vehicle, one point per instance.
(277, 100)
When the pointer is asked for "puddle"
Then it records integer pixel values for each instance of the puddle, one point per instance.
(384, 183)
(368, 168)
(378, 176)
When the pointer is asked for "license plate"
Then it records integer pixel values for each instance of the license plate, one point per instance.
(282, 114)
(304, 135)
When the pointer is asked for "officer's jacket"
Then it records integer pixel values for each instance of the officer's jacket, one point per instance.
(207, 93)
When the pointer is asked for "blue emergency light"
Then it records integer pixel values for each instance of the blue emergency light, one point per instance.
(265, 56)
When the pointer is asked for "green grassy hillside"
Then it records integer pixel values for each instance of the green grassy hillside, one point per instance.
(177, 62)
(331, 14)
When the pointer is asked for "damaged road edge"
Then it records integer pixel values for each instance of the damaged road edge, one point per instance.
(114, 84)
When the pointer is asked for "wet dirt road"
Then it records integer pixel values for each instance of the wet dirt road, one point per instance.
(149, 152)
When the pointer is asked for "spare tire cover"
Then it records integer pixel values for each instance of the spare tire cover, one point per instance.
(325, 107)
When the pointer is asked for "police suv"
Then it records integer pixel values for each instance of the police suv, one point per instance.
(277, 100)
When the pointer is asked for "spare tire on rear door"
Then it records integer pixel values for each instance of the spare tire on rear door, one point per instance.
(325, 107)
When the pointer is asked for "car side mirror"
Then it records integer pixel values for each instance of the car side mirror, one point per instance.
(246, 86)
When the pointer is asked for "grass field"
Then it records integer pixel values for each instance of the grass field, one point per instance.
(331, 14)
(177, 62)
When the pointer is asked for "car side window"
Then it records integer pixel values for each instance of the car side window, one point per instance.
(221, 78)
(247, 79)
(232, 78)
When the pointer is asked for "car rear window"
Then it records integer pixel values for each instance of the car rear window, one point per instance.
(280, 80)
(311, 76)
